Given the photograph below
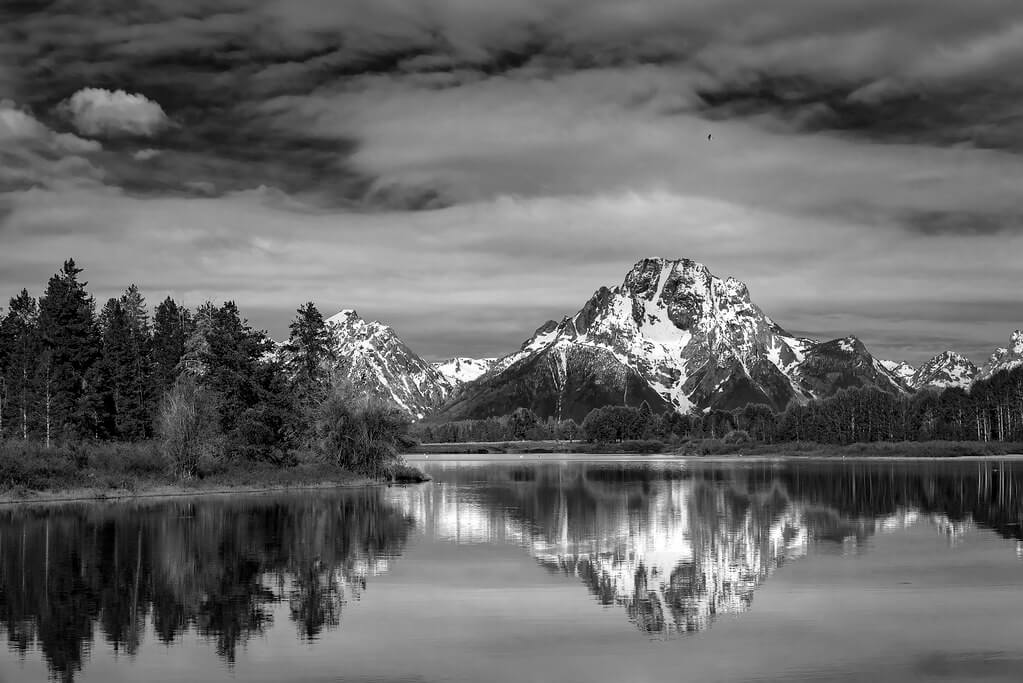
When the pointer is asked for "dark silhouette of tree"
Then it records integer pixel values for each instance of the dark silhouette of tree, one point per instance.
(70, 344)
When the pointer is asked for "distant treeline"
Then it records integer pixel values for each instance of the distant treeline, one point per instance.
(203, 381)
(992, 410)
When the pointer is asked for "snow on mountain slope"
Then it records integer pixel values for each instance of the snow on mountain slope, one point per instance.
(1005, 358)
(900, 369)
(947, 369)
(376, 360)
(458, 371)
(696, 340)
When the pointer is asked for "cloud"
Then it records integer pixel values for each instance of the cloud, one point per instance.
(477, 278)
(436, 164)
(145, 154)
(99, 112)
(32, 154)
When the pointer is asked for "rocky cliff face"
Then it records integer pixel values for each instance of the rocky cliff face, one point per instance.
(672, 334)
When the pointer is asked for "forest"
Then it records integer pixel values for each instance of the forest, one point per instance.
(202, 385)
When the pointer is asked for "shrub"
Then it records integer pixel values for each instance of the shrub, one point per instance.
(737, 436)
(359, 433)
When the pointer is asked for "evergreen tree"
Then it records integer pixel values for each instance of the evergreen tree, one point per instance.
(172, 325)
(308, 348)
(644, 422)
(123, 391)
(19, 336)
(135, 420)
(70, 347)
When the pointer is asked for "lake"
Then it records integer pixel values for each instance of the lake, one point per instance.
(535, 570)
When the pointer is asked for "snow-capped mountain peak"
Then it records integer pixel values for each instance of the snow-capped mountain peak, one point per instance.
(376, 360)
(672, 334)
(1005, 358)
(947, 369)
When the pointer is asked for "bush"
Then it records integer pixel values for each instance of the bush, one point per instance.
(188, 427)
(737, 436)
(359, 433)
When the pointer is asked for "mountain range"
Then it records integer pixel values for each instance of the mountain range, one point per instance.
(672, 334)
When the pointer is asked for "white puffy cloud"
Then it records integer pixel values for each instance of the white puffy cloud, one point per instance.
(96, 111)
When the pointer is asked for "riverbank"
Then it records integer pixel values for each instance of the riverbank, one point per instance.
(714, 448)
(648, 447)
(31, 473)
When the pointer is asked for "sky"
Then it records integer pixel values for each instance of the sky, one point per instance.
(465, 171)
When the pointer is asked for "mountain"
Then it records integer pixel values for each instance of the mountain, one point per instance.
(374, 358)
(458, 371)
(1005, 358)
(671, 334)
(901, 369)
(948, 369)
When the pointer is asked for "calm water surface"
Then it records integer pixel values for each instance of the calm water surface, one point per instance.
(535, 571)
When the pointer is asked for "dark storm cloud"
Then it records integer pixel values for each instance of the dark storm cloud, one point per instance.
(935, 72)
(963, 223)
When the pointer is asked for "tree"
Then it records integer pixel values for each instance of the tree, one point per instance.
(19, 336)
(521, 422)
(308, 349)
(188, 426)
(136, 418)
(233, 361)
(121, 381)
(70, 342)
(172, 325)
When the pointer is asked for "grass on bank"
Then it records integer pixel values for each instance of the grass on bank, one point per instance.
(28, 469)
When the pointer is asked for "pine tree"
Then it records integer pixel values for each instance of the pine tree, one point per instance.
(172, 325)
(308, 349)
(19, 335)
(70, 342)
(121, 380)
(249, 385)
(644, 421)
(135, 420)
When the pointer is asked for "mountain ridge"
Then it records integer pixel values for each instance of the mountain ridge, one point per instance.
(672, 334)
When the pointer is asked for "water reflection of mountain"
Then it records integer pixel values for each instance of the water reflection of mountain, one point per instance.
(676, 547)
(214, 567)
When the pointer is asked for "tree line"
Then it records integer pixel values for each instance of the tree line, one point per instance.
(991, 410)
(203, 381)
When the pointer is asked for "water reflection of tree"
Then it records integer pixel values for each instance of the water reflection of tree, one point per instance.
(217, 567)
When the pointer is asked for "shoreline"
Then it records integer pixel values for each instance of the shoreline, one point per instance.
(713, 448)
(163, 490)
(91, 495)
(690, 457)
